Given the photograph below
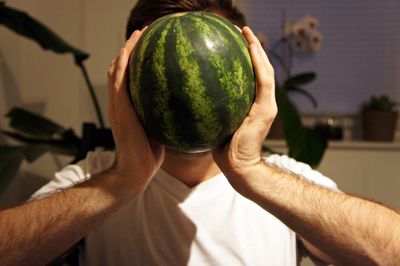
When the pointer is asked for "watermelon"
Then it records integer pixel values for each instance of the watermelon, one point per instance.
(191, 80)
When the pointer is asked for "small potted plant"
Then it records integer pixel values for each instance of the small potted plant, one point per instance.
(379, 117)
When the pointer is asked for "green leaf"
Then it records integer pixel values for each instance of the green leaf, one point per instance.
(27, 26)
(382, 102)
(32, 124)
(31, 153)
(10, 161)
(304, 144)
(308, 146)
(298, 80)
(287, 112)
(61, 146)
(306, 94)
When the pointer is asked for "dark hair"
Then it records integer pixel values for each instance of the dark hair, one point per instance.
(146, 11)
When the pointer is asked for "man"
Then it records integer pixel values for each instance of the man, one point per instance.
(131, 212)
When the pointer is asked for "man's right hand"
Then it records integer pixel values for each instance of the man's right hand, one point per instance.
(137, 157)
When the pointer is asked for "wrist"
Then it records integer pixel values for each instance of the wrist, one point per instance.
(248, 180)
(264, 183)
(119, 185)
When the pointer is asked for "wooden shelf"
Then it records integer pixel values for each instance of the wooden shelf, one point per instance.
(346, 145)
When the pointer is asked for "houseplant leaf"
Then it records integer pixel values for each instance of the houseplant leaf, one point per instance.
(23, 24)
(10, 160)
(299, 80)
(304, 144)
(31, 153)
(306, 94)
(308, 146)
(60, 146)
(32, 124)
(27, 26)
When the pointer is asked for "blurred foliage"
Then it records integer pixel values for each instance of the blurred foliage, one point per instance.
(381, 103)
(34, 134)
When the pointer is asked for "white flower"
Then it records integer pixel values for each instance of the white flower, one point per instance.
(299, 28)
(311, 22)
(315, 39)
(304, 33)
(300, 43)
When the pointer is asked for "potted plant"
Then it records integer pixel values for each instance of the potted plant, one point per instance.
(33, 135)
(379, 117)
(299, 37)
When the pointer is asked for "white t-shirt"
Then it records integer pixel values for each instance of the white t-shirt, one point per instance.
(172, 224)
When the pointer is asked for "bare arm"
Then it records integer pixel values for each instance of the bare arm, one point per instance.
(37, 232)
(350, 230)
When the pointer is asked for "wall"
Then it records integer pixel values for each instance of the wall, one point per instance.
(366, 170)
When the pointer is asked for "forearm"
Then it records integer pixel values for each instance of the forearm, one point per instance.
(349, 229)
(37, 232)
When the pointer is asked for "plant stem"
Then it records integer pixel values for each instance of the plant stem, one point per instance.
(283, 55)
(281, 61)
(290, 58)
(92, 93)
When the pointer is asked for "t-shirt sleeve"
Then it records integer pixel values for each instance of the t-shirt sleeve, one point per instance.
(71, 175)
(301, 169)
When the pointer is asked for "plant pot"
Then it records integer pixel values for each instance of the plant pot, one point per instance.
(379, 125)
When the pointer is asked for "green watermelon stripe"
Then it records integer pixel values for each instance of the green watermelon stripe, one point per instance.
(162, 95)
(233, 82)
(207, 124)
(137, 70)
(134, 91)
(226, 81)
(240, 40)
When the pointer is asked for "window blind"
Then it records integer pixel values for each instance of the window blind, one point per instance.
(360, 52)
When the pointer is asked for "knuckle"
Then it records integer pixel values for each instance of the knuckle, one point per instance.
(110, 72)
(274, 112)
(271, 70)
(265, 85)
(123, 51)
(115, 86)
(271, 115)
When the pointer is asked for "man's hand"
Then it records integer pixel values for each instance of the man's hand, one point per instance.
(244, 150)
(346, 230)
(136, 155)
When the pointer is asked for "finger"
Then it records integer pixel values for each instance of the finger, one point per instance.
(111, 94)
(131, 42)
(264, 79)
(124, 58)
(251, 38)
(263, 70)
(122, 103)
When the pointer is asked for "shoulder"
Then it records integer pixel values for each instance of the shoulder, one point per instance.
(301, 169)
(73, 174)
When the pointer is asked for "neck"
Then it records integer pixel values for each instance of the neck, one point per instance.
(190, 169)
